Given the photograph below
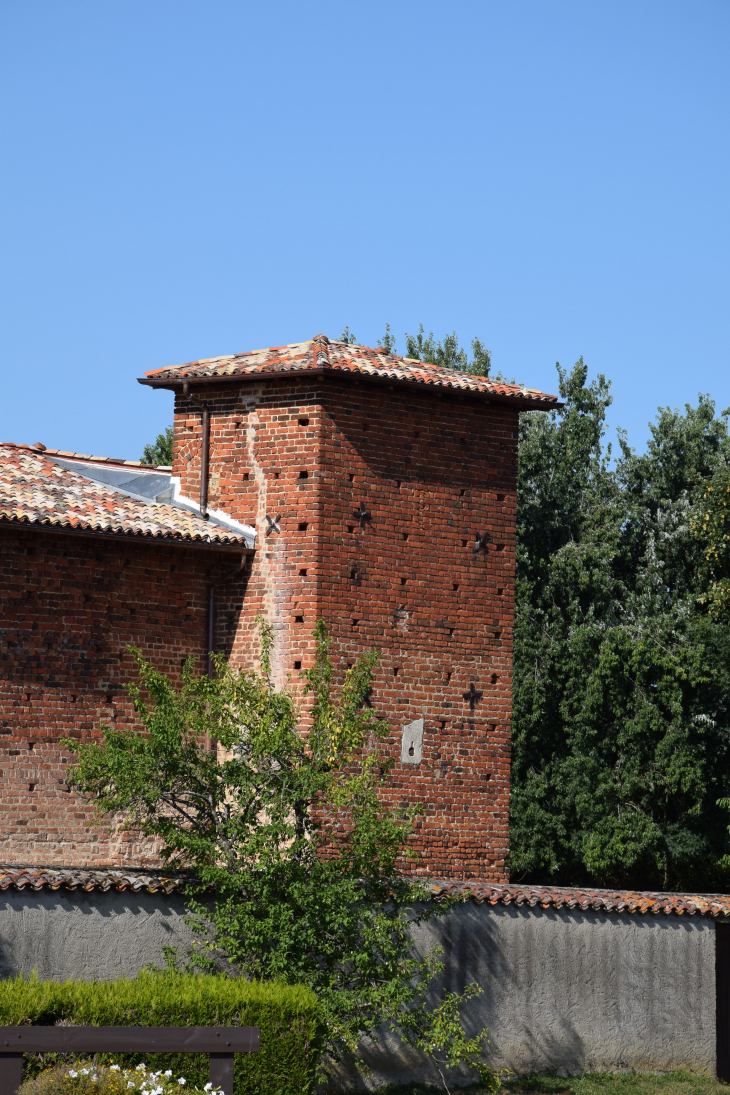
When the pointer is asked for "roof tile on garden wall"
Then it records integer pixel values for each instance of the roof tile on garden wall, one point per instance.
(321, 355)
(544, 897)
(610, 901)
(77, 878)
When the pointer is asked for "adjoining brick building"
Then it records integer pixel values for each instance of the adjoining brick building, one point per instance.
(85, 572)
(315, 480)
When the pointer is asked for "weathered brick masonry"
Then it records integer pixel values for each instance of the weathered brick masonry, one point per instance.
(71, 606)
(383, 496)
(434, 475)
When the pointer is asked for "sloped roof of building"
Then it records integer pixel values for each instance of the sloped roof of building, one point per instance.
(544, 897)
(110, 461)
(320, 355)
(60, 490)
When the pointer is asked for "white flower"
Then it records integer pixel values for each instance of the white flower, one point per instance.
(114, 1068)
(181, 1080)
(84, 1071)
(131, 1084)
(72, 1073)
(169, 1072)
(208, 1087)
(141, 1068)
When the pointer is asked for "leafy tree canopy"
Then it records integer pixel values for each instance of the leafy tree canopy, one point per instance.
(621, 719)
(446, 353)
(711, 525)
(161, 451)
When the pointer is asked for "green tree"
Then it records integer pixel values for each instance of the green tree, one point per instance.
(161, 451)
(711, 528)
(622, 692)
(448, 354)
(289, 829)
(388, 341)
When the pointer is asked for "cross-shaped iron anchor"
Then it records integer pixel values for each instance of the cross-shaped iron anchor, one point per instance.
(472, 696)
(481, 542)
(273, 523)
(362, 514)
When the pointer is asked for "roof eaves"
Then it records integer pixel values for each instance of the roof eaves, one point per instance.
(528, 402)
(237, 547)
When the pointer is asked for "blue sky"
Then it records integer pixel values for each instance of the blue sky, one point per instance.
(184, 179)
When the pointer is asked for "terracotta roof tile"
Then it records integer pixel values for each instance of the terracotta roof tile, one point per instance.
(609, 901)
(544, 897)
(35, 490)
(80, 878)
(321, 355)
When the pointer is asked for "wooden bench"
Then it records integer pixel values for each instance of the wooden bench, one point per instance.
(220, 1042)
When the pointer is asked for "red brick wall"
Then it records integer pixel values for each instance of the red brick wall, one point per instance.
(258, 449)
(433, 471)
(70, 607)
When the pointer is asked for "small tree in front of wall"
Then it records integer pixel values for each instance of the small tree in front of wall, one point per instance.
(288, 829)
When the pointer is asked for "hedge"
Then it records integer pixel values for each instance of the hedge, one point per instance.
(288, 1015)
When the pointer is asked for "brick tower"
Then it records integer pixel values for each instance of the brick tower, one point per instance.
(383, 492)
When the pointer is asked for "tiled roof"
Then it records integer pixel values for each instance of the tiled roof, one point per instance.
(320, 355)
(79, 878)
(608, 901)
(36, 490)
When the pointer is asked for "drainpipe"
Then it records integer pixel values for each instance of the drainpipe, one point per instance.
(204, 450)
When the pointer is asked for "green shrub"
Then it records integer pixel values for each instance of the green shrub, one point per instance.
(288, 1015)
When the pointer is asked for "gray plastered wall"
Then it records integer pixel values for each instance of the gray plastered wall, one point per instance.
(563, 989)
(573, 990)
(74, 934)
